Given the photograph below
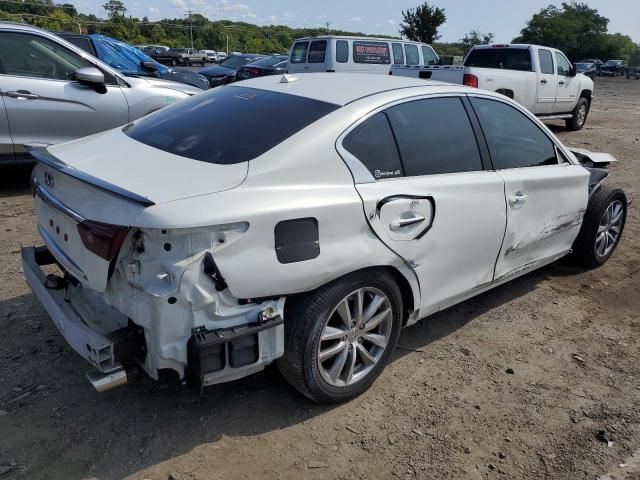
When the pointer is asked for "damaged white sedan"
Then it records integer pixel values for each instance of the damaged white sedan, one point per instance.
(304, 220)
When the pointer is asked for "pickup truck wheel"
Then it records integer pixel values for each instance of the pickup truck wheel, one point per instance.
(602, 227)
(203, 63)
(339, 338)
(187, 62)
(173, 62)
(580, 112)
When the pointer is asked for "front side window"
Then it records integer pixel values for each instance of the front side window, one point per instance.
(514, 140)
(371, 52)
(342, 51)
(434, 136)
(372, 143)
(317, 51)
(27, 55)
(299, 52)
(564, 67)
(546, 61)
(429, 55)
(398, 53)
(411, 51)
(213, 126)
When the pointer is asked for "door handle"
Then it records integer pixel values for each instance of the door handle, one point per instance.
(26, 94)
(406, 222)
(517, 200)
(543, 81)
(561, 82)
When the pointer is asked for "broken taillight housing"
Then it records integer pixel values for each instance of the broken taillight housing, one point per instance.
(103, 239)
(470, 80)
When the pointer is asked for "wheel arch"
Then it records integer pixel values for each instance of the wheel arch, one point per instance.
(587, 94)
(406, 281)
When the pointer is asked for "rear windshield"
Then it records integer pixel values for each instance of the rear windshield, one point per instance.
(269, 61)
(229, 124)
(504, 58)
(236, 61)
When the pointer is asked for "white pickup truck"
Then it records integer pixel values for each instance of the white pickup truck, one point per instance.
(540, 78)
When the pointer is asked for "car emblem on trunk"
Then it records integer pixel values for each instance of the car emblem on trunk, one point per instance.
(48, 180)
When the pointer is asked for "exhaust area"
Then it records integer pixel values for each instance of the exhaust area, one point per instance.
(106, 381)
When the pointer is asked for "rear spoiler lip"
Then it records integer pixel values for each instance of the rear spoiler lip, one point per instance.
(42, 155)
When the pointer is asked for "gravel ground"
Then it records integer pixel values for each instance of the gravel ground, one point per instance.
(446, 407)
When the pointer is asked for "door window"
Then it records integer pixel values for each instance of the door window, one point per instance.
(317, 51)
(342, 51)
(411, 51)
(430, 57)
(546, 61)
(398, 53)
(372, 143)
(33, 56)
(299, 52)
(564, 67)
(434, 136)
(514, 140)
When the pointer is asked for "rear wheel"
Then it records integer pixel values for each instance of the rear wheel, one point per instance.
(173, 62)
(339, 338)
(187, 62)
(580, 112)
(203, 63)
(601, 228)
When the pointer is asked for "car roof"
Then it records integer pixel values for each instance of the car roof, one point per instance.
(355, 37)
(343, 88)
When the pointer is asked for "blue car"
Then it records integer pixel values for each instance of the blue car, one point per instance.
(131, 61)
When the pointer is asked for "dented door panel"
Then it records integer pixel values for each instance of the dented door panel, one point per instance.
(545, 206)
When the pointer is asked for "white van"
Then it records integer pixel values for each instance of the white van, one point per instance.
(330, 53)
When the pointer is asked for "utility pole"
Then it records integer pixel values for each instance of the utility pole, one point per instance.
(328, 24)
(189, 12)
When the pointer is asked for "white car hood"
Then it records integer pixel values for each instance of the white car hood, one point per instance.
(159, 176)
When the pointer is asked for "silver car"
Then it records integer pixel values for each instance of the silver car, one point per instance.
(52, 92)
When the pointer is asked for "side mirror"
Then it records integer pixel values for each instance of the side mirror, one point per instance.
(573, 71)
(149, 65)
(91, 77)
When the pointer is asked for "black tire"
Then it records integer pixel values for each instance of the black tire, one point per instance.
(584, 247)
(305, 319)
(577, 121)
(173, 62)
(187, 62)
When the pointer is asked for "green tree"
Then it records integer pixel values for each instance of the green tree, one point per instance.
(114, 8)
(574, 28)
(474, 37)
(421, 24)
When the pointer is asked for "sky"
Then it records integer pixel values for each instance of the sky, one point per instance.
(504, 19)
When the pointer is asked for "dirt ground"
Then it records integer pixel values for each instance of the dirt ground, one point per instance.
(444, 408)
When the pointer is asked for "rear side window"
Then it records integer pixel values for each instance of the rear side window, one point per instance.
(434, 136)
(514, 140)
(372, 143)
(546, 61)
(430, 57)
(342, 51)
(299, 52)
(499, 57)
(226, 125)
(371, 52)
(398, 53)
(413, 58)
(317, 51)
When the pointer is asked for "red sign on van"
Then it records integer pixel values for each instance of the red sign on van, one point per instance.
(371, 52)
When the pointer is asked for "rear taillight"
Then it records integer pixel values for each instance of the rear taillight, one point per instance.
(102, 239)
(470, 80)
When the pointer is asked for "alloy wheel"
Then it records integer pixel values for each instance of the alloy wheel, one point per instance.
(355, 336)
(609, 229)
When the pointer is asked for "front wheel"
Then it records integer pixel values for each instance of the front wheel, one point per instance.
(203, 63)
(339, 338)
(173, 62)
(580, 112)
(602, 227)
(187, 62)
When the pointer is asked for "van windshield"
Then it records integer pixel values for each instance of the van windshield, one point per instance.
(227, 125)
(500, 57)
